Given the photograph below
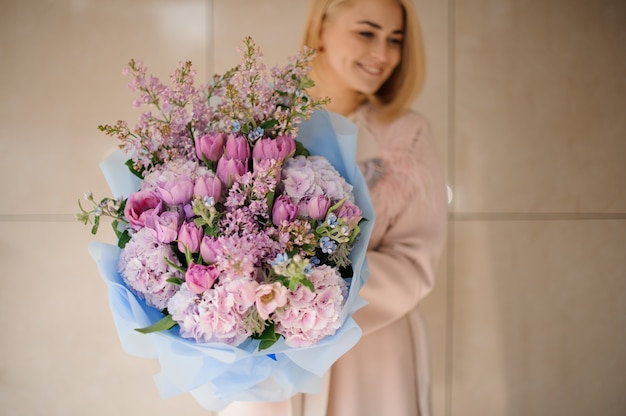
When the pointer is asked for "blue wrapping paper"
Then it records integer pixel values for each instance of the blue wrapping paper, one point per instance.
(218, 374)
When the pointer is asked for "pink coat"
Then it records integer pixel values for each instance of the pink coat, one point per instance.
(387, 372)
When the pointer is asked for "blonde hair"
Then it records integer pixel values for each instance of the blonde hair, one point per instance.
(399, 92)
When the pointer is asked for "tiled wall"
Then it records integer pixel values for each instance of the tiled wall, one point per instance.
(527, 100)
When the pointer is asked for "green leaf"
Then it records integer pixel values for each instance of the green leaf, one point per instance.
(268, 124)
(268, 337)
(129, 164)
(175, 281)
(162, 325)
(308, 283)
(96, 224)
(301, 150)
(123, 239)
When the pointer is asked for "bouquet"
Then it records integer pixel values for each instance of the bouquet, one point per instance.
(242, 223)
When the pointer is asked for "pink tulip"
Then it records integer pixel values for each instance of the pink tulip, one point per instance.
(189, 236)
(278, 149)
(200, 278)
(284, 210)
(209, 249)
(164, 226)
(210, 146)
(141, 205)
(176, 191)
(229, 169)
(315, 207)
(208, 185)
(237, 147)
(350, 213)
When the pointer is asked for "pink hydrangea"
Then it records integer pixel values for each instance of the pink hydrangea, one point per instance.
(308, 316)
(216, 315)
(307, 177)
(144, 267)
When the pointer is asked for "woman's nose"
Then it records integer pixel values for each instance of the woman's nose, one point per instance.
(381, 50)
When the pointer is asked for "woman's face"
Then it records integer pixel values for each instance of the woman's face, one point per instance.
(361, 45)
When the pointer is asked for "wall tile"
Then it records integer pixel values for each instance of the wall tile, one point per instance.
(540, 93)
(60, 351)
(275, 25)
(61, 77)
(539, 317)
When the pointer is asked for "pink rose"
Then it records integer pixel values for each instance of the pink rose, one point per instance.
(189, 236)
(270, 297)
(200, 278)
(141, 205)
(283, 210)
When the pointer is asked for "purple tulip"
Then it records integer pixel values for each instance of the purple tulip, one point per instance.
(189, 236)
(210, 146)
(284, 210)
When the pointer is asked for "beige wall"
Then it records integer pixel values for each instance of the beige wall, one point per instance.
(527, 99)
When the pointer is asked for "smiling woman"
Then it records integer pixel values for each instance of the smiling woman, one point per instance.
(370, 65)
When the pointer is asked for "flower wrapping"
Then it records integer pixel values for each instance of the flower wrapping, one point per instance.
(242, 255)
(217, 374)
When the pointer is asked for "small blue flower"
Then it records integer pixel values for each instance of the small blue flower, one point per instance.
(208, 201)
(280, 259)
(235, 125)
(255, 134)
(308, 269)
(327, 245)
(315, 261)
(332, 220)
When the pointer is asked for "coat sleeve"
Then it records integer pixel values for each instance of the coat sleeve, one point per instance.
(411, 205)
